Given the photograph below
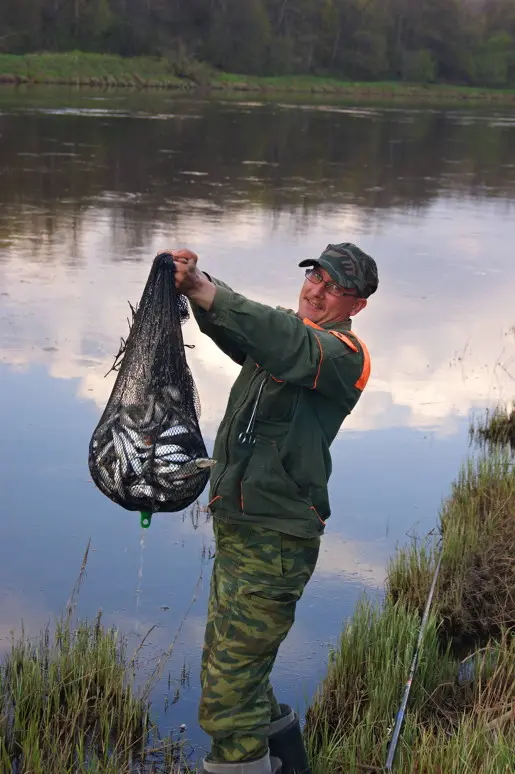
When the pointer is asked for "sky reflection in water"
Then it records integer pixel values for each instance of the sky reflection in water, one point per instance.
(88, 197)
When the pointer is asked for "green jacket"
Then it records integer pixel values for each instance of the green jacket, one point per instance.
(301, 382)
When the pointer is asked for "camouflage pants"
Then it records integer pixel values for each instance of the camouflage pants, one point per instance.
(258, 578)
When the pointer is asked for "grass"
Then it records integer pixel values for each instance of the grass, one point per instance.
(83, 69)
(452, 724)
(389, 89)
(476, 591)
(181, 72)
(348, 723)
(68, 705)
(461, 713)
(71, 688)
(496, 427)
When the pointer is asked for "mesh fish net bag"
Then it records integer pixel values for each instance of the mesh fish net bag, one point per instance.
(147, 452)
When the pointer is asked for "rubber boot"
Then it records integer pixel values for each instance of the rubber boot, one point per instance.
(265, 765)
(286, 742)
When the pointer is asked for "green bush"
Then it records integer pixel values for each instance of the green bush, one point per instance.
(494, 59)
(419, 66)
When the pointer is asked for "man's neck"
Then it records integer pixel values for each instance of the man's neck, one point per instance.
(337, 325)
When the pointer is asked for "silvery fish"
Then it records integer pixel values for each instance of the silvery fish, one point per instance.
(141, 491)
(105, 451)
(173, 393)
(179, 459)
(174, 431)
(142, 442)
(163, 449)
(118, 478)
(178, 483)
(165, 484)
(204, 462)
(147, 442)
(102, 429)
(106, 478)
(176, 418)
(132, 455)
(165, 478)
(120, 453)
(150, 411)
(159, 413)
(127, 419)
(166, 468)
(138, 417)
(127, 443)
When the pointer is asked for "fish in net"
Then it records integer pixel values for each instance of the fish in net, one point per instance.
(147, 452)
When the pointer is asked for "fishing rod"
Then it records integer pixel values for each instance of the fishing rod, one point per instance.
(404, 703)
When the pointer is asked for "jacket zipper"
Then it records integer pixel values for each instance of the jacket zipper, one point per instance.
(229, 428)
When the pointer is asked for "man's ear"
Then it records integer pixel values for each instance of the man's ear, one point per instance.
(358, 306)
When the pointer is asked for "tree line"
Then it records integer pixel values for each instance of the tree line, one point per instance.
(456, 41)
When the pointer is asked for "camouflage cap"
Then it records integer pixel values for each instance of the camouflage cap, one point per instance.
(348, 266)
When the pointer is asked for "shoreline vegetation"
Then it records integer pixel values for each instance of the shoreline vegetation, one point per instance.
(461, 713)
(77, 683)
(89, 70)
(69, 703)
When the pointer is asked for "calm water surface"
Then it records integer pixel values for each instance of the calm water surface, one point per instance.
(91, 186)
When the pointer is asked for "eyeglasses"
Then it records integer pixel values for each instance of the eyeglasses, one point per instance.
(332, 287)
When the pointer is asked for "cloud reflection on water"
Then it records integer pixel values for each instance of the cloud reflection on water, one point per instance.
(253, 189)
(438, 328)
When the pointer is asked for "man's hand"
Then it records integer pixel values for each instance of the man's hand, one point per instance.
(187, 276)
(189, 280)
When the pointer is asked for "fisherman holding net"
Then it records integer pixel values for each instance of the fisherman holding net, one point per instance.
(301, 374)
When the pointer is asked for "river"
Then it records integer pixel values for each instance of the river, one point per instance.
(92, 185)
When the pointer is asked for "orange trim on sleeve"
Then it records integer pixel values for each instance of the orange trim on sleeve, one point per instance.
(311, 324)
(365, 373)
(319, 363)
(345, 340)
(218, 497)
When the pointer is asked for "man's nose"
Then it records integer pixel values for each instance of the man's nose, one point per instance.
(319, 290)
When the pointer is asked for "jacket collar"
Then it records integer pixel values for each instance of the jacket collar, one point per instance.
(341, 327)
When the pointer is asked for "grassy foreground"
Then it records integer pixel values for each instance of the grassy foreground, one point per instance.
(68, 704)
(109, 70)
(461, 715)
(67, 707)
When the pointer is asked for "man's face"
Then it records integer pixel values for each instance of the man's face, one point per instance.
(321, 307)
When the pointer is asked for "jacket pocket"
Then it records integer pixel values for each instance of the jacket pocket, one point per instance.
(225, 491)
(266, 487)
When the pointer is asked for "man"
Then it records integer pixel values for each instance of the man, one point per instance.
(301, 375)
